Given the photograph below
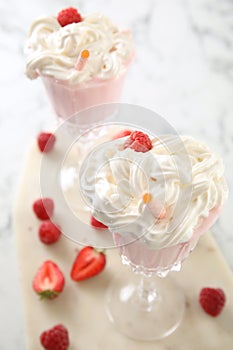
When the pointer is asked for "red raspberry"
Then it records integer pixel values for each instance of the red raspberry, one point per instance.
(49, 232)
(212, 300)
(139, 142)
(46, 141)
(43, 208)
(97, 224)
(68, 16)
(56, 338)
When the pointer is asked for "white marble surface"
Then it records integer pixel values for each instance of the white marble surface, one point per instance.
(183, 71)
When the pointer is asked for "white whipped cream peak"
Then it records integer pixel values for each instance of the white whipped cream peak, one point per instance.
(183, 178)
(53, 50)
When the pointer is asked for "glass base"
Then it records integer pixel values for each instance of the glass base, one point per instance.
(145, 308)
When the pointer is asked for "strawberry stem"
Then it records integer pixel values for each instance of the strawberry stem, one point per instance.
(48, 294)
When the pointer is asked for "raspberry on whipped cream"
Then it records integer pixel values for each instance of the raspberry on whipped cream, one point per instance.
(68, 16)
(53, 49)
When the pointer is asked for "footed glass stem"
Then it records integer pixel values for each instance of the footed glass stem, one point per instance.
(143, 306)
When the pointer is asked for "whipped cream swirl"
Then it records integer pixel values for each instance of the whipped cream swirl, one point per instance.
(163, 194)
(53, 50)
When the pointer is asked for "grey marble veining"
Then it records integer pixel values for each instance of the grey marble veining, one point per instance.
(183, 70)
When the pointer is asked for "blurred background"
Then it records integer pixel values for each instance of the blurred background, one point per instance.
(183, 71)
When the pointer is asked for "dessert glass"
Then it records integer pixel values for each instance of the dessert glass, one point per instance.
(147, 304)
(81, 64)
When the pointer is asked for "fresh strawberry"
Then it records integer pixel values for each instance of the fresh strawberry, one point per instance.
(46, 141)
(212, 300)
(88, 263)
(97, 224)
(48, 281)
(49, 232)
(56, 338)
(139, 142)
(43, 208)
(121, 134)
(68, 16)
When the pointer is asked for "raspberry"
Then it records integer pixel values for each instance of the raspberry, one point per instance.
(43, 208)
(68, 16)
(212, 300)
(97, 224)
(49, 232)
(46, 141)
(139, 142)
(56, 338)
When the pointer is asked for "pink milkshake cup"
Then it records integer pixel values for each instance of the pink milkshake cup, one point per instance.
(68, 99)
(140, 255)
(82, 62)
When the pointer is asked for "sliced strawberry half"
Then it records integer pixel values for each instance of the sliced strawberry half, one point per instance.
(49, 280)
(88, 263)
(97, 224)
